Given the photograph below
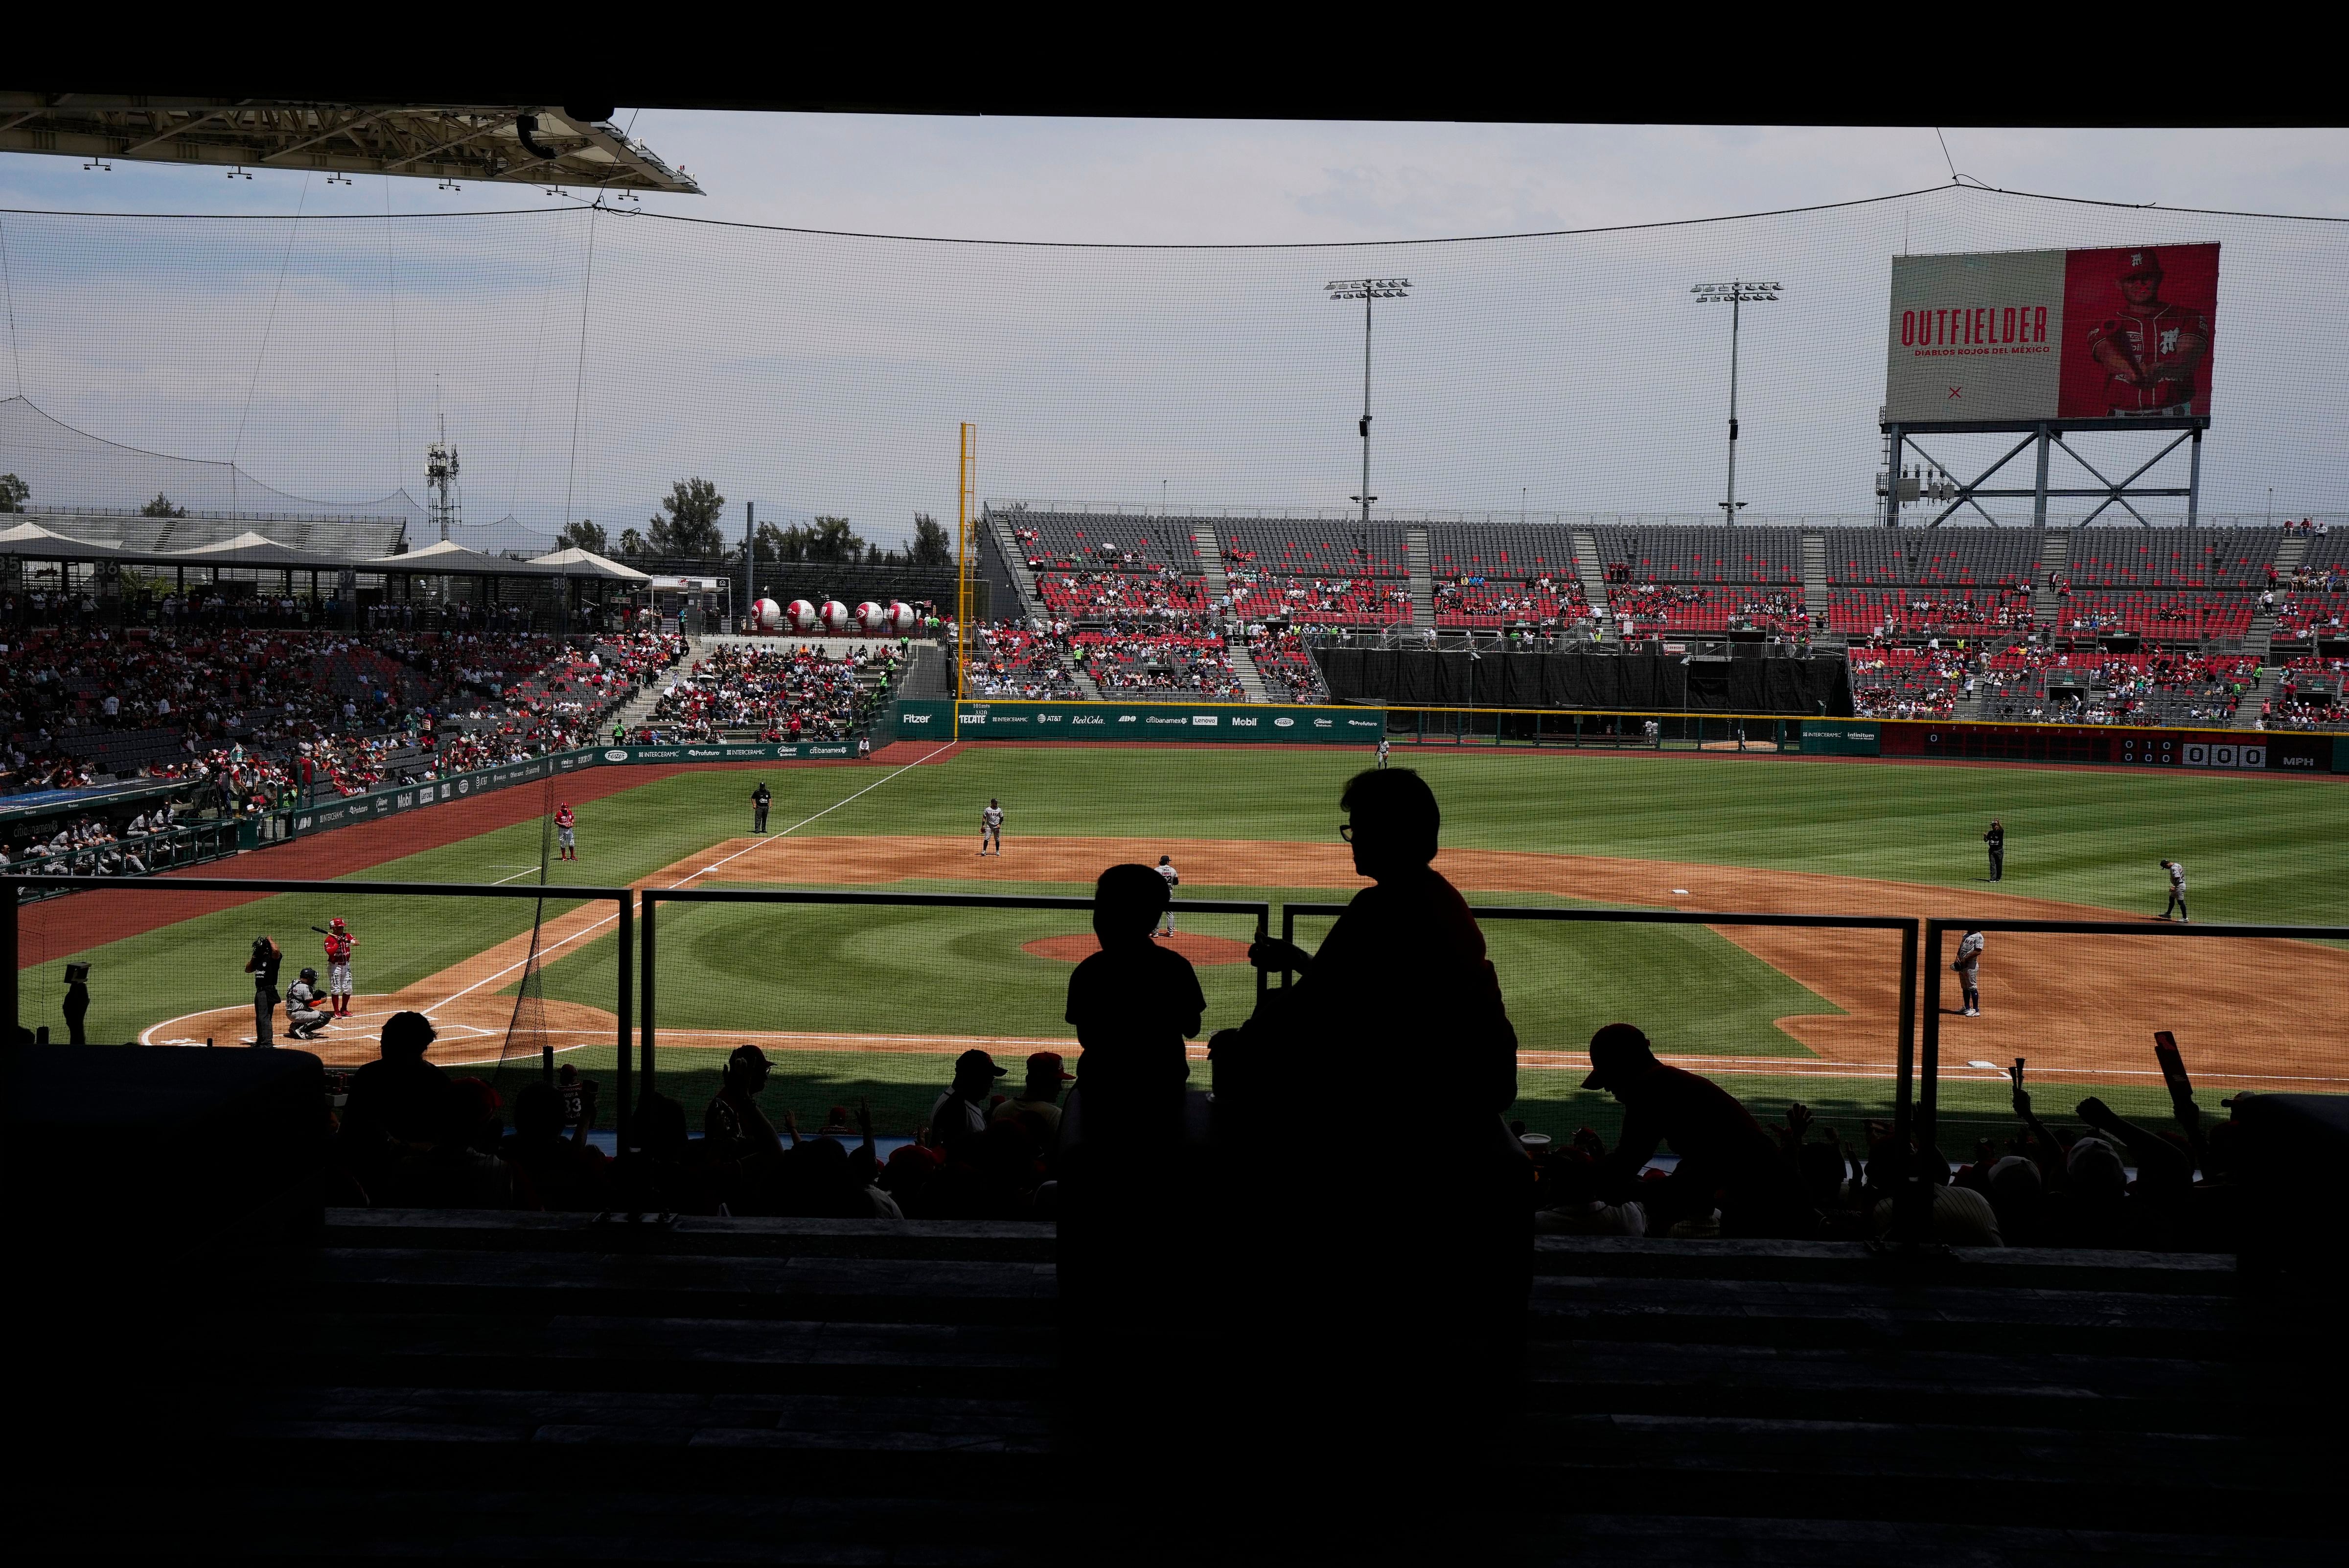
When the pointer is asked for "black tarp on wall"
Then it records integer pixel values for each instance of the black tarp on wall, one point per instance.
(1621, 683)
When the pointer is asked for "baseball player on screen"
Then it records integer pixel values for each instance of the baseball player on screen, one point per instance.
(2150, 349)
(990, 828)
(339, 945)
(2176, 871)
(1174, 880)
(1967, 964)
(564, 824)
(1382, 750)
(305, 1020)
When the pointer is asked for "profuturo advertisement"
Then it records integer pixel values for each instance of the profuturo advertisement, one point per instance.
(2015, 337)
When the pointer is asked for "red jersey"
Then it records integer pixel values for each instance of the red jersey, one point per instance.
(2151, 337)
(563, 818)
(338, 947)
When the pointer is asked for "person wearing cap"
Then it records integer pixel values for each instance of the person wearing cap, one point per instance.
(1133, 1003)
(734, 1127)
(963, 1107)
(1725, 1154)
(1039, 1095)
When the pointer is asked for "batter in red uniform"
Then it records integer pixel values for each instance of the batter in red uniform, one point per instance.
(339, 945)
(2149, 348)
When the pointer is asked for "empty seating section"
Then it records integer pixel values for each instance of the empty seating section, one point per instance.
(2153, 614)
(2330, 548)
(2143, 688)
(2128, 556)
(1307, 549)
(1927, 611)
(1904, 683)
(1956, 556)
(1520, 552)
(1689, 607)
(1664, 555)
(1493, 604)
(1103, 539)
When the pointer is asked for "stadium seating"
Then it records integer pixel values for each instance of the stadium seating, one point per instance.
(1517, 551)
(1950, 556)
(1102, 540)
(2151, 689)
(1283, 548)
(1321, 601)
(1287, 668)
(2300, 615)
(2127, 555)
(1689, 607)
(781, 693)
(1699, 554)
(1158, 595)
(1493, 603)
(2153, 614)
(1927, 611)
(1014, 661)
(1188, 662)
(1904, 683)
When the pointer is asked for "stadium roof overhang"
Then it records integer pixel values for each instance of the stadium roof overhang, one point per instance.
(528, 144)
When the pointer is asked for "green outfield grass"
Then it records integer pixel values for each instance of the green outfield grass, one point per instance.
(2258, 848)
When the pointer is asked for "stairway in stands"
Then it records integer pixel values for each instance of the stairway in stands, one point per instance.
(1219, 586)
(1815, 579)
(1587, 567)
(2264, 689)
(2055, 557)
(1422, 579)
(488, 1386)
(1015, 562)
(2260, 638)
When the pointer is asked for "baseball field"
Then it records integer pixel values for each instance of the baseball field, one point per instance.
(873, 1002)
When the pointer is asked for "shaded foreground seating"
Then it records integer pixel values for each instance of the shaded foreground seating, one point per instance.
(496, 1387)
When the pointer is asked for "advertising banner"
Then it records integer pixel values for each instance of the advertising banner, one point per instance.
(1113, 721)
(2009, 337)
(728, 751)
(413, 796)
(1840, 737)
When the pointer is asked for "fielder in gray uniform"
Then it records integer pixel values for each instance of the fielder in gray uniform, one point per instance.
(1968, 968)
(2176, 871)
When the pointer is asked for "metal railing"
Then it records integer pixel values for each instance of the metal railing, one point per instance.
(647, 1031)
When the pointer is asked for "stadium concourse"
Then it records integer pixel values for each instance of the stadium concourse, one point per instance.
(2209, 627)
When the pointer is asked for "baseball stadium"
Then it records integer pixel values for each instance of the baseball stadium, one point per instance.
(1820, 823)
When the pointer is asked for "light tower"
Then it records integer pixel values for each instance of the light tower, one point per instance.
(1734, 295)
(1366, 290)
(441, 479)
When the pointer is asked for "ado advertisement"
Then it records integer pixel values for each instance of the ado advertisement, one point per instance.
(2009, 336)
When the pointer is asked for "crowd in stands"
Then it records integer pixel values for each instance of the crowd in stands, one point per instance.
(785, 693)
(1161, 596)
(1194, 664)
(2311, 692)
(1284, 659)
(1880, 613)
(1906, 683)
(2165, 687)
(1321, 601)
(1011, 660)
(258, 710)
(1699, 607)
(1471, 602)
(87, 846)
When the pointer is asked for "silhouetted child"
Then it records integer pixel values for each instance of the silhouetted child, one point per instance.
(1121, 1267)
(1133, 1003)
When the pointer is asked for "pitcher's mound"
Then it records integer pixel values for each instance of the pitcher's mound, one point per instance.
(1077, 948)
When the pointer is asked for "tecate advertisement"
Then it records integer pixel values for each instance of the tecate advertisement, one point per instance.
(2007, 336)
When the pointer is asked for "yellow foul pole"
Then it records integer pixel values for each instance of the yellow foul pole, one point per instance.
(966, 519)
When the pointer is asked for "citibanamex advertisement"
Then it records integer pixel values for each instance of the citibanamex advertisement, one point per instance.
(2010, 338)
(2137, 323)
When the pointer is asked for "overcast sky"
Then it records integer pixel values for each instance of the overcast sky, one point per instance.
(828, 376)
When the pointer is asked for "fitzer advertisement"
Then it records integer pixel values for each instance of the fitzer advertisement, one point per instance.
(2002, 336)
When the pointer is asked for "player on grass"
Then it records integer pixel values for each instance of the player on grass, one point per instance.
(990, 827)
(563, 823)
(339, 945)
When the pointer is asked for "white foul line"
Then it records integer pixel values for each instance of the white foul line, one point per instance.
(586, 931)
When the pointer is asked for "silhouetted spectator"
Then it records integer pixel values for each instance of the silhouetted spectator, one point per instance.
(1037, 1104)
(76, 1003)
(964, 1106)
(1726, 1161)
(397, 1103)
(1133, 1003)
(563, 1174)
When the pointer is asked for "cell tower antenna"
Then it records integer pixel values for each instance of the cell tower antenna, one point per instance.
(440, 469)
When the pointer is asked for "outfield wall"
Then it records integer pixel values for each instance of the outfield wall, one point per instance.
(1129, 721)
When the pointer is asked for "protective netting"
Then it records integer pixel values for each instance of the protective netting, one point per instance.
(528, 1046)
(584, 361)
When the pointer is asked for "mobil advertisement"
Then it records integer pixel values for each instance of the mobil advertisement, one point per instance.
(2008, 336)
(1110, 721)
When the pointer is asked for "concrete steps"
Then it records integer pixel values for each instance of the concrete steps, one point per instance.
(1422, 578)
(1588, 568)
(2055, 559)
(2247, 716)
(1015, 562)
(2259, 637)
(1814, 580)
